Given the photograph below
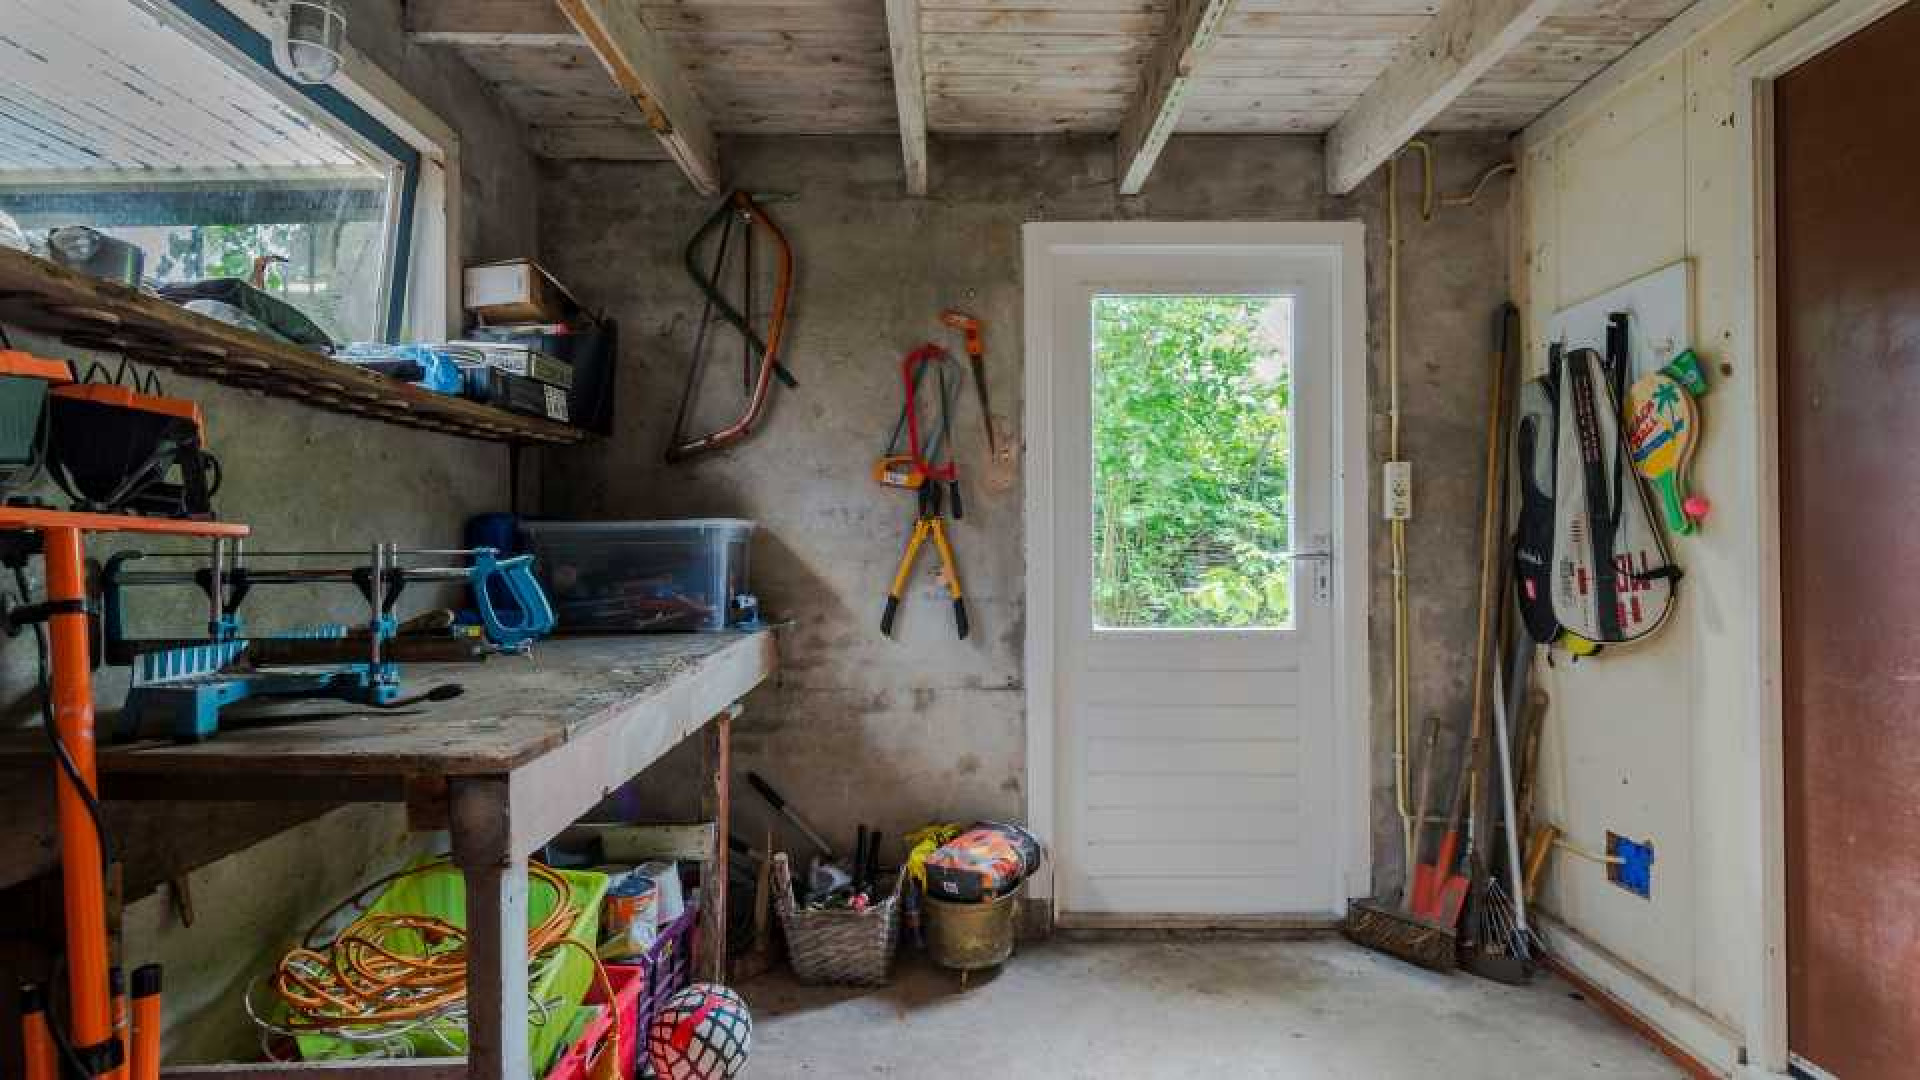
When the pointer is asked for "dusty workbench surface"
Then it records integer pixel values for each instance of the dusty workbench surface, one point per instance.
(515, 709)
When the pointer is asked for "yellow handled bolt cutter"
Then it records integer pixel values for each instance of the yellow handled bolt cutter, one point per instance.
(930, 523)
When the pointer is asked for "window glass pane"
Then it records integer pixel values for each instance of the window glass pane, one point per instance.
(1192, 451)
(114, 119)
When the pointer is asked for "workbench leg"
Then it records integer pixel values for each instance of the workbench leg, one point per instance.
(496, 880)
(710, 961)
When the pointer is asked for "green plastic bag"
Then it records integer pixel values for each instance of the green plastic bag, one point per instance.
(561, 981)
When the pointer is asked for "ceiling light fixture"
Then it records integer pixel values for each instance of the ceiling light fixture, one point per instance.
(308, 43)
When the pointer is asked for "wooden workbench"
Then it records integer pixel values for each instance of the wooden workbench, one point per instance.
(534, 743)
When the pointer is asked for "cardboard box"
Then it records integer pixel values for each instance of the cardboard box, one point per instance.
(516, 290)
(523, 360)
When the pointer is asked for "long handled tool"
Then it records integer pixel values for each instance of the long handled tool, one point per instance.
(1423, 806)
(1516, 886)
(1440, 890)
(1419, 931)
(759, 784)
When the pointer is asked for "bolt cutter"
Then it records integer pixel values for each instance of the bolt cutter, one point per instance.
(930, 523)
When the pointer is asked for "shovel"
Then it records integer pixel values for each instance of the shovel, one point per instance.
(1439, 889)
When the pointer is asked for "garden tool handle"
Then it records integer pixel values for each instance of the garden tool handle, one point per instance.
(536, 613)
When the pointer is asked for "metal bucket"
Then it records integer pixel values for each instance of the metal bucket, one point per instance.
(969, 937)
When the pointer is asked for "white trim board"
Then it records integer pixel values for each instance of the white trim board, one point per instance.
(1353, 746)
(1707, 1040)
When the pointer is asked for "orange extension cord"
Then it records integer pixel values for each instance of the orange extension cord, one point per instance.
(391, 969)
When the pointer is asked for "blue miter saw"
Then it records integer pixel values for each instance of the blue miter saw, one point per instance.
(181, 685)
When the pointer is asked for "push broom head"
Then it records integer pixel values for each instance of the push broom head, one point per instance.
(1390, 930)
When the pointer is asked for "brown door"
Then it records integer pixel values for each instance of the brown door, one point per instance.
(1848, 181)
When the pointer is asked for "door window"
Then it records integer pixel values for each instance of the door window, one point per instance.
(1192, 461)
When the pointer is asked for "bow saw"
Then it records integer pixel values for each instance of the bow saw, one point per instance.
(762, 356)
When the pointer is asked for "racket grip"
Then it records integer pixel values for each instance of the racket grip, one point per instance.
(886, 617)
(960, 615)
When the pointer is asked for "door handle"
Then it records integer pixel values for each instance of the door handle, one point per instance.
(1322, 561)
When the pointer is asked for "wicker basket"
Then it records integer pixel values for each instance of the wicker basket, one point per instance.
(850, 948)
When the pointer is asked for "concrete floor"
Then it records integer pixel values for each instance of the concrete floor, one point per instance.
(1316, 1010)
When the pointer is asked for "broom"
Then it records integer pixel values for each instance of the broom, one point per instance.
(1399, 931)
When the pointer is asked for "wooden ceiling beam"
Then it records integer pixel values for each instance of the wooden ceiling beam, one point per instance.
(1165, 79)
(643, 66)
(534, 23)
(1462, 43)
(909, 89)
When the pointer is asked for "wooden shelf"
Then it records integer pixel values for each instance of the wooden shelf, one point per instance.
(91, 313)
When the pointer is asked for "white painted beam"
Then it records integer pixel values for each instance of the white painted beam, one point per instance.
(1462, 43)
(909, 89)
(643, 66)
(535, 23)
(1191, 26)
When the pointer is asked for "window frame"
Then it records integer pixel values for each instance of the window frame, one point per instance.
(212, 24)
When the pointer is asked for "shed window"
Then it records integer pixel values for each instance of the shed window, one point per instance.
(164, 123)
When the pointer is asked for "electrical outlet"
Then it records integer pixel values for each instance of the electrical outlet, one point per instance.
(1634, 869)
(1397, 485)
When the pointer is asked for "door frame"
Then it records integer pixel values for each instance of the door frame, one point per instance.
(1763, 757)
(1041, 243)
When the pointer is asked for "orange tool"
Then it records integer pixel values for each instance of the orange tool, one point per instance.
(145, 1056)
(95, 1043)
(1439, 889)
(36, 1037)
(977, 357)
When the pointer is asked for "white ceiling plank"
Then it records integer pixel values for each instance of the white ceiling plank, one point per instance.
(644, 67)
(909, 89)
(1149, 121)
(1461, 44)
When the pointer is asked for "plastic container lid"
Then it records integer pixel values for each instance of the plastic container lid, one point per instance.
(629, 526)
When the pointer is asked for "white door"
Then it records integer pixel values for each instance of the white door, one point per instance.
(1193, 474)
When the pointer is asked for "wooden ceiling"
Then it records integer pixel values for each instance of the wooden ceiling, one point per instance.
(1367, 73)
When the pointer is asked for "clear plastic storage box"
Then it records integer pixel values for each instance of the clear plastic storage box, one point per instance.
(645, 575)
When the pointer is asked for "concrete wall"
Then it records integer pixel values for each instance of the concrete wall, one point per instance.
(898, 733)
(299, 477)
(1656, 741)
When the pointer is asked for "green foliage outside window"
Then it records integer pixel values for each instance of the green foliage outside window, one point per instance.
(1191, 462)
